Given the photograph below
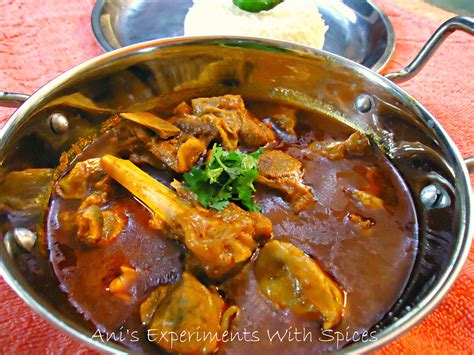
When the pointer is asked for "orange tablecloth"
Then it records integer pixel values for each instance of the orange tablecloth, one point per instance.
(40, 39)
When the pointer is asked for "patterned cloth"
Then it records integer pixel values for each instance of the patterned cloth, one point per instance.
(41, 39)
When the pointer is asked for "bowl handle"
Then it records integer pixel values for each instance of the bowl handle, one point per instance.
(462, 23)
(470, 164)
(11, 99)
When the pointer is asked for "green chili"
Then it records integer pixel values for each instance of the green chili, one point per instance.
(256, 5)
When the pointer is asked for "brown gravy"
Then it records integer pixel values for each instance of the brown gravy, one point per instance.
(372, 268)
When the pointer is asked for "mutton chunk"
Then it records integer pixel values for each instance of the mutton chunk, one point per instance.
(233, 122)
(293, 280)
(131, 140)
(179, 142)
(285, 119)
(180, 153)
(220, 241)
(97, 222)
(187, 306)
(283, 172)
(224, 240)
(99, 225)
(121, 285)
(356, 145)
(204, 130)
(83, 177)
(169, 147)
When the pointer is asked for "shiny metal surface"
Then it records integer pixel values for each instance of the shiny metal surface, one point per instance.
(162, 73)
(363, 103)
(459, 23)
(429, 195)
(358, 29)
(25, 238)
(19, 240)
(59, 123)
(434, 196)
(462, 7)
(470, 164)
(11, 99)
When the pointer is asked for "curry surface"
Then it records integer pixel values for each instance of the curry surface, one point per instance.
(371, 266)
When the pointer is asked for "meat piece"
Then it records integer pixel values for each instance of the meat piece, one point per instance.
(364, 198)
(356, 145)
(221, 241)
(179, 154)
(161, 127)
(191, 131)
(97, 222)
(90, 224)
(281, 171)
(81, 179)
(99, 226)
(131, 141)
(187, 307)
(189, 153)
(129, 134)
(141, 146)
(364, 224)
(145, 157)
(197, 127)
(121, 285)
(378, 184)
(254, 133)
(284, 118)
(224, 115)
(232, 120)
(291, 279)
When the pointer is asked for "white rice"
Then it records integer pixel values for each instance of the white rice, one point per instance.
(292, 20)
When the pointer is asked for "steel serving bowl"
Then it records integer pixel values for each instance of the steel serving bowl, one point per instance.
(164, 72)
(358, 29)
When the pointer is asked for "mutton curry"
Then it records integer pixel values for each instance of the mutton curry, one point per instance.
(226, 217)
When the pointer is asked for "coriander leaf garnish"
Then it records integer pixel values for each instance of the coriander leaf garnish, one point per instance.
(226, 176)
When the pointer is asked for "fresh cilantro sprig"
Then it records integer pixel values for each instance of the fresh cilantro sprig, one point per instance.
(226, 176)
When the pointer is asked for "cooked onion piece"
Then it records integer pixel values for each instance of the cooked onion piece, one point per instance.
(187, 307)
(161, 127)
(291, 279)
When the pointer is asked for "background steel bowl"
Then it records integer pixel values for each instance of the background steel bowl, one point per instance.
(358, 29)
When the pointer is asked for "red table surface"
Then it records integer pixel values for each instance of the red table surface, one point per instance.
(41, 39)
